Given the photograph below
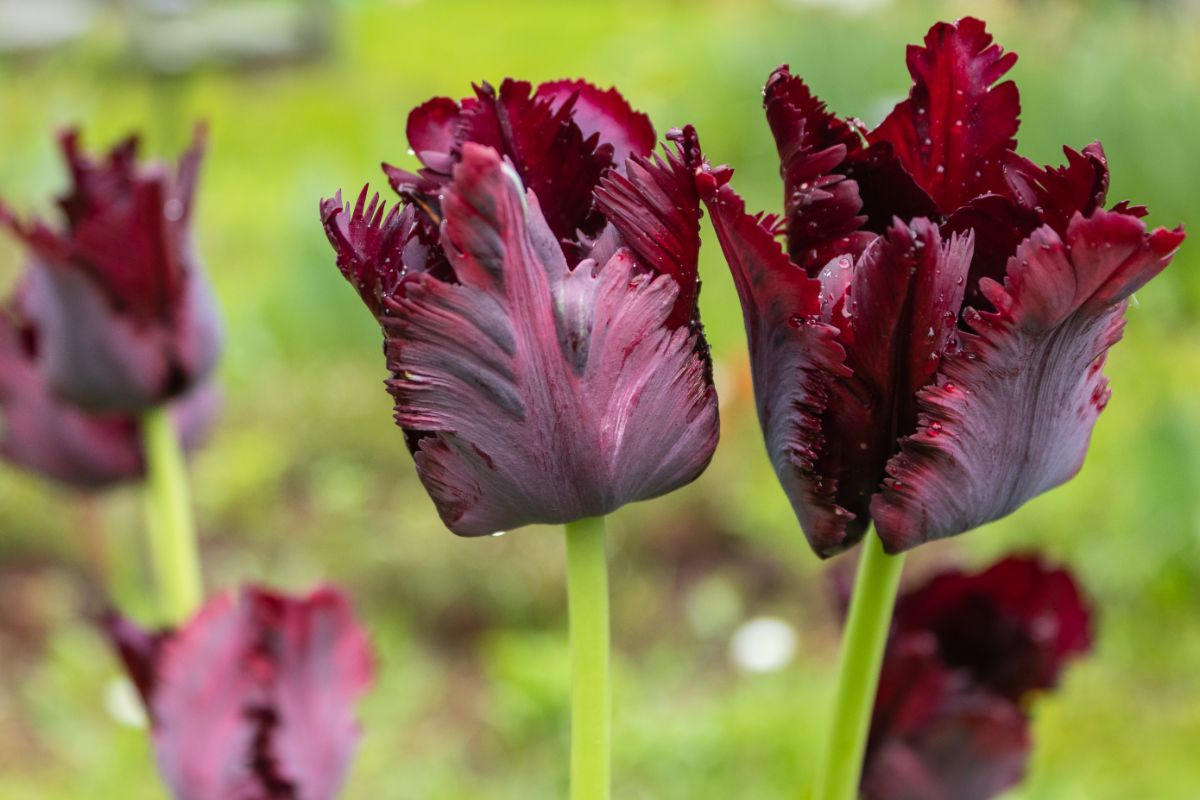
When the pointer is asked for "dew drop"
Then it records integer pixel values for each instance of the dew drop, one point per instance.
(928, 141)
(935, 428)
(940, 169)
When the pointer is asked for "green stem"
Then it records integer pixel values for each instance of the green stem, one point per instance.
(591, 691)
(863, 641)
(171, 533)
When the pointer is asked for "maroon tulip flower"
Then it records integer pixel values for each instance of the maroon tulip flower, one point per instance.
(537, 291)
(965, 652)
(927, 351)
(126, 318)
(54, 439)
(254, 697)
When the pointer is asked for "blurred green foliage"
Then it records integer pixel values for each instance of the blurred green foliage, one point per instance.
(308, 480)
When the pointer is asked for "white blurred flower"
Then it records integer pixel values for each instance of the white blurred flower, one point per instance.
(763, 644)
(123, 703)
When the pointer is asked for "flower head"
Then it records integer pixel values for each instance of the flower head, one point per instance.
(927, 350)
(964, 654)
(54, 439)
(127, 319)
(537, 291)
(254, 697)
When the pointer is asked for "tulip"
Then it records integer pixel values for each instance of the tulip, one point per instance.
(927, 349)
(254, 697)
(927, 352)
(126, 322)
(537, 291)
(538, 300)
(127, 318)
(965, 655)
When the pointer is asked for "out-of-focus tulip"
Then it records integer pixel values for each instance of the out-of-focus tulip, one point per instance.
(254, 698)
(966, 651)
(125, 315)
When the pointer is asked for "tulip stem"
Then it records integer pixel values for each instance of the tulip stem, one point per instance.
(867, 625)
(170, 529)
(591, 690)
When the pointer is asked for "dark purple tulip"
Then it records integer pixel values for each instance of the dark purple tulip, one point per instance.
(1013, 626)
(254, 698)
(126, 317)
(927, 351)
(964, 654)
(56, 440)
(537, 290)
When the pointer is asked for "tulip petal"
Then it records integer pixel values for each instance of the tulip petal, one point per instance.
(655, 208)
(822, 208)
(999, 225)
(546, 146)
(54, 440)
(323, 665)
(952, 131)
(791, 354)
(370, 243)
(935, 735)
(836, 192)
(1056, 194)
(604, 113)
(550, 393)
(897, 312)
(1011, 416)
(976, 748)
(207, 681)
(432, 129)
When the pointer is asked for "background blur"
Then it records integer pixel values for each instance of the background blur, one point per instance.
(307, 479)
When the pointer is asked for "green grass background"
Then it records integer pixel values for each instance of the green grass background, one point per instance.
(307, 479)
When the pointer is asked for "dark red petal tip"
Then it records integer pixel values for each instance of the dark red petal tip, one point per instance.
(369, 241)
(957, 123)
(606, 114)
(655, 207)
(431, 129)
